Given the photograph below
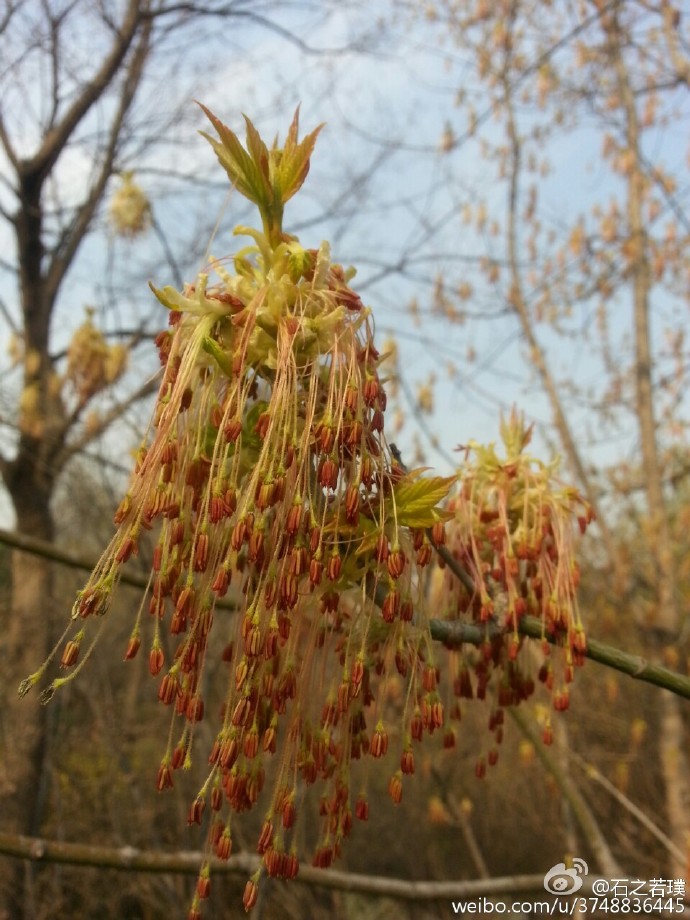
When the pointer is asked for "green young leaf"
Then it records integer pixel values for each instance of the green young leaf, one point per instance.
(242, 171)
(222, 359)
(416, 499)
(260, 155)
(294, 160)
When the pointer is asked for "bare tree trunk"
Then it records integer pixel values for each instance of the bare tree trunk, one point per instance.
(663, 629)
(24, 641)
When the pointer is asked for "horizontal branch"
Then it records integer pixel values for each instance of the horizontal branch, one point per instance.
(636, 666)
(46, 550)
(450, 632)
(130, 859)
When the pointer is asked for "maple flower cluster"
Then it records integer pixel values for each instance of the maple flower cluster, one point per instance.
(512, 533)
(267, 485)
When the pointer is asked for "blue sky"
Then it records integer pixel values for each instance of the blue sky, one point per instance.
(385, 108)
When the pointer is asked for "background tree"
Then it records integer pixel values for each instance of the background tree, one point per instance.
(600, 276)
(80, 102)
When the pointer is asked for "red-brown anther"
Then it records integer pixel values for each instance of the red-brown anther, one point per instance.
(561, 700)
(229, 751)
(263, 424)
(362, 808)
(298, 561)
(185, 601)
(391, 605)
(168, 689)
(325, 437)
(250, 745)
(265, 837)
(379, 741)
(395, 787)
(417, 725)
(351, 400)
(314, 539)
(289, 812)
(323, 858)
(176, 533)
(438, 534)
(352, 434)
(343, 696)
(164, 780)
(196, 811)
(334, 566)
(133, 647)
(232, 430)
(480, 768)
(382, 548)
(429, 678)
(269, 740)
(395, 562)
(201, 553)
(217, 827)
(270, 593)
(288, 593)
(377, 421)
(242, 712)
(352, 504)
(251, 894)
(423, 556)
(239, 534)
(216, 798)
(294, 519)
(195, 709)
(356, 676)
(241, 672)
(315, 571)
(203, 889)
(255, 552)
(156, 660)
(291, 868)
(449, 735)
(223, 847)
(221, 582)
(272, 641)
(328, 473)
(228, 652)
(126, 549)
(436, 715)
(366, 471)
(264, 495)
(70, 654)
(547, 734)
(407, 761)
(157, 557)
(370, 390)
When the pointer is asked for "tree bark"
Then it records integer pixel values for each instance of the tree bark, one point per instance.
(25, 637)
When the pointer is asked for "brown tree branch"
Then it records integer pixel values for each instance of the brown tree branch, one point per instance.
(449, 632)
(54, 141)
(130, 859)
(635, 666)
(66, 248)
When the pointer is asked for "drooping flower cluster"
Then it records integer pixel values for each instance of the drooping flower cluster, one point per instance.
(267, 481)
(512, 533)
(130, 209)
